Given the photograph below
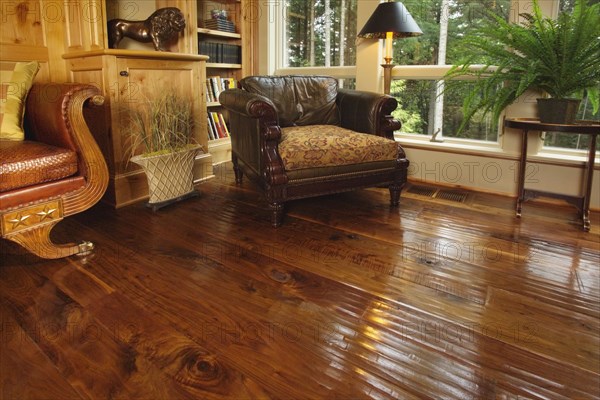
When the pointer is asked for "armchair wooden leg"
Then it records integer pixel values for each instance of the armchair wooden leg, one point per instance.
(395, 194)
(37, 240)
(276, 214)
(239, 174)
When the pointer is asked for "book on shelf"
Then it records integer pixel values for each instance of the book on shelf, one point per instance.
(215, 85)
(220, 129)
(218, 126)
(228, 83)
(223, 124)
(221, 53)
(211, 129)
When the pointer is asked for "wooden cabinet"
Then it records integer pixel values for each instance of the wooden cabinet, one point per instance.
(126, 78)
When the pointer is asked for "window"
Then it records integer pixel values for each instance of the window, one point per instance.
(423, 109)
(417, 100)
(320, 33)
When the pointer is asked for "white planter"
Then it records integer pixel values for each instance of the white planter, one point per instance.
(170, 175)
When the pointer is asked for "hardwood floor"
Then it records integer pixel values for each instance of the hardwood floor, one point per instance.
(349, 299)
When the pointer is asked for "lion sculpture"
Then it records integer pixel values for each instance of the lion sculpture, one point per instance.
(159, 28)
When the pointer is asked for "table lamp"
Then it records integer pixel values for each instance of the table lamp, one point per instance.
(389, 20)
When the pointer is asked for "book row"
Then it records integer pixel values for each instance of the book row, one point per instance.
(217, 128)
(221, 52)
(215, 85)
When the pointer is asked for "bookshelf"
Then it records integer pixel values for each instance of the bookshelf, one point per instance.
(226, 40)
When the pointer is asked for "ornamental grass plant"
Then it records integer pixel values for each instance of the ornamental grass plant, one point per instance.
(162, 124)
(162, 128)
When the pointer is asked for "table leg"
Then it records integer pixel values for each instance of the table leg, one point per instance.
(589, 174)
(522, 168)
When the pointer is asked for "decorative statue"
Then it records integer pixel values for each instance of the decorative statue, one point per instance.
(161, 27)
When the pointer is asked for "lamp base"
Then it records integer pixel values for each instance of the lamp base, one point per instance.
(387, 76)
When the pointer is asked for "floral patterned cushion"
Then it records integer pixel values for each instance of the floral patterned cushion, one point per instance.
(329, 145)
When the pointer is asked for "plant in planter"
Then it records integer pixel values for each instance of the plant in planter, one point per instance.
(163, 128)
(559, 58)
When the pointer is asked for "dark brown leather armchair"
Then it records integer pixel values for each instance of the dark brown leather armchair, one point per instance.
(56, 172)
(300, 136)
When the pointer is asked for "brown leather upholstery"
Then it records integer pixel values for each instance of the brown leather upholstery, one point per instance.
(307, 106)
(58, 171)
(297, 100)
(29, 163)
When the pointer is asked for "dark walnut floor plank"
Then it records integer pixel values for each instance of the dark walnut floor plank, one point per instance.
(209, 320)
(208, 301)
(228, 332)
(321, 251)
(88, 355)
(341, 272)
(193, 371)
(503, 254)
(498, 270)
(166, 250)
(25, 371)
(230, 324)
(174, 366)
(457, 258)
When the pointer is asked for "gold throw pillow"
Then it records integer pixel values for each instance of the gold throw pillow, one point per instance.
(14, 95)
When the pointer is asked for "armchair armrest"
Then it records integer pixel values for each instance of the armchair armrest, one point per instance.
(55, 115)
(367, 112)
(53, 112)
(255, 135)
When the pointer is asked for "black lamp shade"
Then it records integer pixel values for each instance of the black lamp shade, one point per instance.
(390, 17)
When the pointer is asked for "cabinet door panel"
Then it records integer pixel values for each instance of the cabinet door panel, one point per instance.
(141, 80)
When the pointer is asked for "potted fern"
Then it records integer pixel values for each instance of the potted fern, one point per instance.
(163, 128)
(559, 58)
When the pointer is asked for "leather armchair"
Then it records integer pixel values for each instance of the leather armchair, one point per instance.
(299, 136)
(56, 172)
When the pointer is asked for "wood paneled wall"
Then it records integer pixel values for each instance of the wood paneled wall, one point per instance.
(44, 30)
(26, 32)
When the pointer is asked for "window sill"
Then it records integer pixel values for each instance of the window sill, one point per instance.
(450, 145)
(562, 157)
(559, 157)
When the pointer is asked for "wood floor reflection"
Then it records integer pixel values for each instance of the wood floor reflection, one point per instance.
(349, 299)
